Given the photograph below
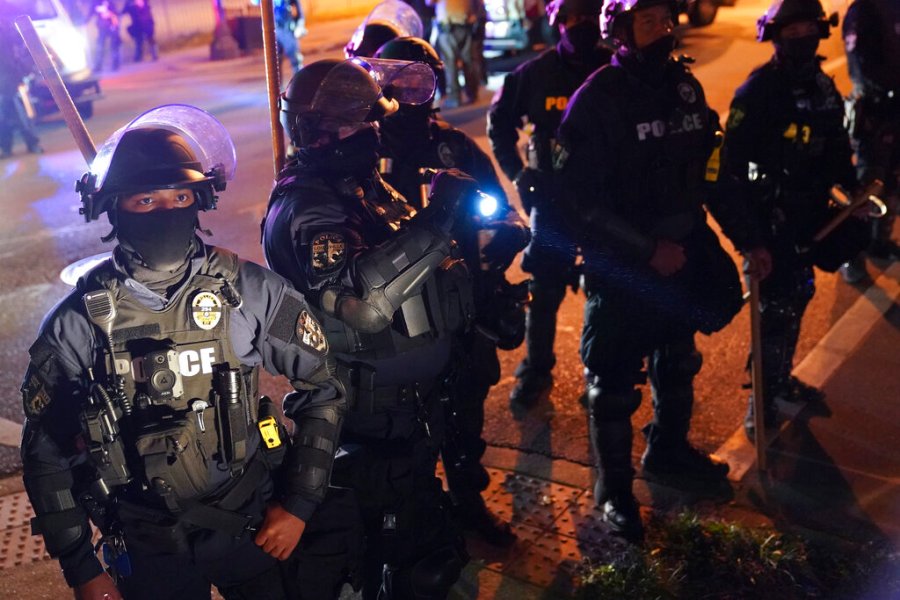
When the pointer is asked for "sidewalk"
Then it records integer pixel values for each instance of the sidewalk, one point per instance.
(833, 470)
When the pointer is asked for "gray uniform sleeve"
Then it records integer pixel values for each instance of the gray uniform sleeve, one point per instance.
(277, 329)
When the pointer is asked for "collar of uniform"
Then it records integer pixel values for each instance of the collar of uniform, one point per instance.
(146, 296)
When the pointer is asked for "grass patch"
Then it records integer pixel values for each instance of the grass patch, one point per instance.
(690, 557)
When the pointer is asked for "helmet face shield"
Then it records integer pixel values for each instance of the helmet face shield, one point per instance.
(785, 12)
(622, 11)
(198, 149)
(404, 81)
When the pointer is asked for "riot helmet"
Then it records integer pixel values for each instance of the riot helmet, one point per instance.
(559, 10)
(786, 12)
(617, 17)
(331, 99)
(168, 147)
(388, 20)
(413, 49)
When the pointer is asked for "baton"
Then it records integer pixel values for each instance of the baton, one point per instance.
(57, 88)
(756, 376)
(273, 87)
(872, 190)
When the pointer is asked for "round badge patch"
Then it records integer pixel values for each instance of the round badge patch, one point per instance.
(445, 153)
(206, 308)
(687, 92)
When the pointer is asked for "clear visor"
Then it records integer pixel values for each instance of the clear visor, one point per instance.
(343, 96)
(399, 14)
(401, 80)
(207, 136)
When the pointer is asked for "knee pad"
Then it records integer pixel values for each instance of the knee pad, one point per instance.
(429, 579)
(612, 406)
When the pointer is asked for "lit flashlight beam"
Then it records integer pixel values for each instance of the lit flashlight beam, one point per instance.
(57, 88)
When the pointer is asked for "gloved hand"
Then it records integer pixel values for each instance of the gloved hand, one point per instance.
(758, 263)
(532, 186)
(448, 189)
(507, 242)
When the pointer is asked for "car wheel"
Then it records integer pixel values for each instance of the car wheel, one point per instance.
(85, 109)
(702, 12)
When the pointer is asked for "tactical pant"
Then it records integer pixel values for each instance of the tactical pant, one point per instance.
(615, 340)
(463, 445)
(548, 289)
(115, 43)
(388, 526)
(141, 36)
(878, 156)
(237, 567)
(783, 298)
(289, 47)
(12, 118)
(455, 44)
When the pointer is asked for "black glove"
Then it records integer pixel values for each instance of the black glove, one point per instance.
(507, 242)
(448, 189)
(533, 187)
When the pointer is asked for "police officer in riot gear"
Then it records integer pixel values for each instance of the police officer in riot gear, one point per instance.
(141, 395)
(871, 32)
(414, 142)
(636, 159)
(392, 295)
(388, 20)
(534, 97)
(785, 147)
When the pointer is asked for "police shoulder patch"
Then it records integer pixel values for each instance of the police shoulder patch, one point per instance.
(445, 153)
(35, 398)
(687, 92)
(328, 252)
(310, 334)
(206, 309)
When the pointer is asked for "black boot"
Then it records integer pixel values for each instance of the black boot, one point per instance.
(530, 387)
(473, 514)
(675, 458)
(612, 441)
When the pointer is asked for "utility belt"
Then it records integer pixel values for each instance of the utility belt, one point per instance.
(167, 531)
(368, 398)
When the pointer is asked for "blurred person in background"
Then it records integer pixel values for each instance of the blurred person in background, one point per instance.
(141, 28)
(15, 65)
(871, 34)
(107, 20)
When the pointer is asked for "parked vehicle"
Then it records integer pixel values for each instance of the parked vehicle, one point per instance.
(70, 51)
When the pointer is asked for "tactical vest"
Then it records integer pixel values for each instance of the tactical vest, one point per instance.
(190, 405)
(663, 137)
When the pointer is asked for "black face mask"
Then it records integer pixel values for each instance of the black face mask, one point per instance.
(162, 238)
(355, 155)
(581, 39)
(799, 51)
(657, 53)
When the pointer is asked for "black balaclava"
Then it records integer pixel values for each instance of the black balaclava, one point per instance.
(355, 155)
(408, 128)
(649, 62)
(797, 53)
(160, 240)
(579, 41)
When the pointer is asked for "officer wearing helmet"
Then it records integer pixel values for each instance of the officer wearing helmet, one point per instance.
(388, 20)
(785, 147)
(414, 141)
(533, 98)
(141, 394)
(636, 164)
(871, 32)
(392, 294)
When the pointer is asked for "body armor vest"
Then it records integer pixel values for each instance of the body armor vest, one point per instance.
(666, 134)
(188, 401)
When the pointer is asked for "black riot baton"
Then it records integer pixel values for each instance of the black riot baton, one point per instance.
(57, 88)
